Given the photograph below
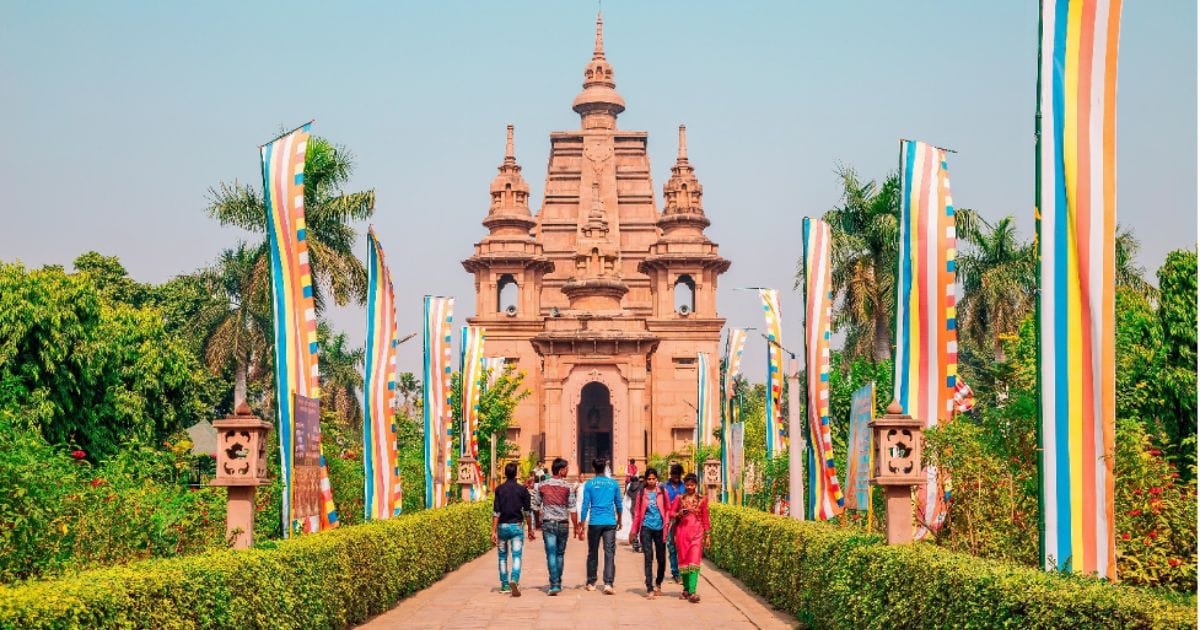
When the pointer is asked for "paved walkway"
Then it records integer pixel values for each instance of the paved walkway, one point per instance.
(470, 598)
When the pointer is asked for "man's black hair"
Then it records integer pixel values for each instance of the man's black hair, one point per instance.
(598, 465)
(676, 470)
(558, 466)
(510, 470)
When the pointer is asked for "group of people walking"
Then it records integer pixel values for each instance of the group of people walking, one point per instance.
(670, 520)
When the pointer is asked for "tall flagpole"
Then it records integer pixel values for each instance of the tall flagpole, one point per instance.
(796, 444)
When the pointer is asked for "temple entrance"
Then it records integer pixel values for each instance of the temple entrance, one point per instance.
(595, 418)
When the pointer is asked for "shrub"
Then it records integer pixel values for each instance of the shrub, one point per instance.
(838, 578)
(326, 580)
(60, 513)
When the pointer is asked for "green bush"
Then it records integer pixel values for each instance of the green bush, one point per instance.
(327, 580)
(838, 578)
(58, 513)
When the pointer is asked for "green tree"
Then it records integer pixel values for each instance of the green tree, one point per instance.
(111, 279)
(236, 326)
(328, 212)
(497, 404)
(341, 376)
(865, 232)
(409, 388)
(996, 271)
(1129, 274)
(88, 372)
(1177, 316)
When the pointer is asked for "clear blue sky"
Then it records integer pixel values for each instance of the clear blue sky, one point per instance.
(119, 116)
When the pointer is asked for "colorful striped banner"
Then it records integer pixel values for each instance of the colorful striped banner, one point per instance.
(735, 344)
(1076, 223)
(436, 338)
(824, 500)
(774, 414)
(494, 366)
(296, 349)
(380, 459)
(926, 326)
(704, 408)
(471, 372)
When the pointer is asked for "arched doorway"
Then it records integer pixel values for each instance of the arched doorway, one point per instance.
(595, 420)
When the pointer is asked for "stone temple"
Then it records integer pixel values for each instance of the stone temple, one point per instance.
(601, 299)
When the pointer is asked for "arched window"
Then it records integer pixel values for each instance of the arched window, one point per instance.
(506, 294)
(685, 295)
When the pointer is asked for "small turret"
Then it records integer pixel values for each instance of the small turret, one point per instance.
(598, 104)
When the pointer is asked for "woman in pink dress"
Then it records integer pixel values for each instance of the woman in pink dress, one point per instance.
(689, 513)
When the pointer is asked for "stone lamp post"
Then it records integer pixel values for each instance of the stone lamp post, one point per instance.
(898, 440)
(712, 479)
(467, 476)
(242, 468)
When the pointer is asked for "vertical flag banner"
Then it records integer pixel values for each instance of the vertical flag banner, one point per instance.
(859, 454)
(926, 325)
(735, 344)
(774, 321)
(1076, 223)
(471, 371)
(494, 366)
(737, 441)
(436, 339)
(381, 471)
(296, 368)
(825, 498)
(704, 409)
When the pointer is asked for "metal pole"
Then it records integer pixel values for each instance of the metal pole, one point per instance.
(795, 446)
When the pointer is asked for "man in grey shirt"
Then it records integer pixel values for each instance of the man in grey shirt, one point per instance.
(554, 499)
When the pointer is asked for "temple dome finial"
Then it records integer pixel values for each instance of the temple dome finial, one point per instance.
(509, 209)
(599, 103)
(683, 143)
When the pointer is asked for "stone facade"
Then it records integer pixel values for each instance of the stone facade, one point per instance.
(602, 300)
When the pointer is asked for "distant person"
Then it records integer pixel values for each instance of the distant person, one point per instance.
(510, 507)
(631, 469)
(631, 493)
(674, 488)
(693, 534)
(601, 515)
(650, 516)
(555, 498)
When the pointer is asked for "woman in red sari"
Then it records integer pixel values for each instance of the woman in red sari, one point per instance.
(689, 514)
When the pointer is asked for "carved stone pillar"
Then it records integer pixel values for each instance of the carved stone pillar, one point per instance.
(468, 476)
(712, 479)
(241, 467)
(898, 440)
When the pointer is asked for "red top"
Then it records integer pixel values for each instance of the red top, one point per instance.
(639, 509)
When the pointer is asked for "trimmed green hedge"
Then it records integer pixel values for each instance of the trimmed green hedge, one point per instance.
(837, 578)
(327, 580)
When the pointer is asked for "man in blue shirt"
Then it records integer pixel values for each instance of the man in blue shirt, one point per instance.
(600, 513)
(674, 488)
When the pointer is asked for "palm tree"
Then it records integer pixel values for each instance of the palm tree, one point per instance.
(410, 389)
(996, 271)
(328, 212)
(1128, 273)
(865, 231)
(341, 374)
(237, 327)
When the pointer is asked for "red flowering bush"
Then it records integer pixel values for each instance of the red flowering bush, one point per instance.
(1155, 515)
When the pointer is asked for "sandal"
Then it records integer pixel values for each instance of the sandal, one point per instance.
(695, 599)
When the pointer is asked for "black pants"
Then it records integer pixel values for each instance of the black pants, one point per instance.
(609, 534)
(653, 545)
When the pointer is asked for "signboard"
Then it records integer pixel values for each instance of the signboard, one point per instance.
(858, 458)
(737, 439)
(306, 471)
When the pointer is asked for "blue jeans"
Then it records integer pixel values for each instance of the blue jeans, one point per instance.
(511, 539)
(555, 536)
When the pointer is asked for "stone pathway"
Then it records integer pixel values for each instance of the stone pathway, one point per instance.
(470, 598)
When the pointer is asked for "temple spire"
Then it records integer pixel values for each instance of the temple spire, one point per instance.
(509, 156)
(682, 143)
(599, 103)
(598, 53)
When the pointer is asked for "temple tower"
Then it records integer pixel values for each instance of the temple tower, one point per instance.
(609, 359)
